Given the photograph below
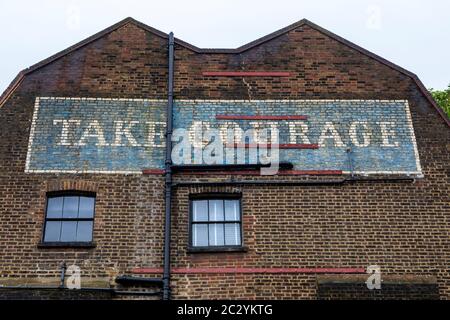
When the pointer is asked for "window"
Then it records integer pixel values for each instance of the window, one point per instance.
(216, 222)
(69, 218)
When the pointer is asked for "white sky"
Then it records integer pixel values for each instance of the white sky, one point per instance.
(412, 33)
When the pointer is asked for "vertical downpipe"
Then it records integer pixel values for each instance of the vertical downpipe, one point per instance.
(168, 174)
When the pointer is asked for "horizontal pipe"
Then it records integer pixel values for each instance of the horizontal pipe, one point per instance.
(130, 280)
(289, 183)
(255, 172)
(260, 182)
(258, 173)
(242, 169)
(220, 167)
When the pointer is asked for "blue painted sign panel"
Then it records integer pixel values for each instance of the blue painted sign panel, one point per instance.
(120, 135)
(96, 135)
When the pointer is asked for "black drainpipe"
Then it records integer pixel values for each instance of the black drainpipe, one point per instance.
(168, 175)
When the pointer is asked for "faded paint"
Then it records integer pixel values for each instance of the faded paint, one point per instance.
(127, 135)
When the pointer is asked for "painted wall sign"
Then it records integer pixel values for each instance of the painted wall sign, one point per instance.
(127, 135)
(96, 135)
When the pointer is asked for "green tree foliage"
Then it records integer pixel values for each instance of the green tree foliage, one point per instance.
(442, 97)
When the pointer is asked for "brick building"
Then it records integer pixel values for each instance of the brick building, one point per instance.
(84, 177)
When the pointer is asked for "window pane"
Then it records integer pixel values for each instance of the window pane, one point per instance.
(70, 209)
(52, 231)
(232, 210)
(84, 231)
(86, 207)
(216, 210)
(200, 210)
(54, 207)
(200, 235)
(69, 231)
(232, 234)
(216, 234)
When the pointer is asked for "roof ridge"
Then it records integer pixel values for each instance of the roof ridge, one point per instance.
(272, 35)
(10, 89)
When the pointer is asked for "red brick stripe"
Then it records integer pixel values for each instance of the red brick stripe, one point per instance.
(246, 74)
(310, 172)
(257, 117)
(280, 173)
(280, 146)
(152, 171)
(230, 270)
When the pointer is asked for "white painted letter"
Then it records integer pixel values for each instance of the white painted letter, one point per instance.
(387, 133)
(330, 132)
(64, 137)
(120, 131)
(259, 129)
(98, 134)
(354, 135)
(152, 134)
(302, 133)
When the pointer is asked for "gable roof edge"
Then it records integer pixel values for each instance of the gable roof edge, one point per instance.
(16, 82)
(19, 78)
(386, 62)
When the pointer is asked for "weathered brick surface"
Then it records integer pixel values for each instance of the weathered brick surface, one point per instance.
(390, 292)
(401, 226)
(113, 135)
(53, 294)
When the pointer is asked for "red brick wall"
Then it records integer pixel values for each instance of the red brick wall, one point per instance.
(129, 211)
(401, 226)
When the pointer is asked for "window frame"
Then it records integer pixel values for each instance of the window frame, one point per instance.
(68, 193)
(222, 248)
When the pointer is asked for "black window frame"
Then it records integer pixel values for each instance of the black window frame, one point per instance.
(68, 193)
(209, 248)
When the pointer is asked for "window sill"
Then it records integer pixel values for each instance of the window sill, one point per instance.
(85, 245)
(216, 249)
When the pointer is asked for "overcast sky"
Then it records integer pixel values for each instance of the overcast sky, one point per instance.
(412, 33)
